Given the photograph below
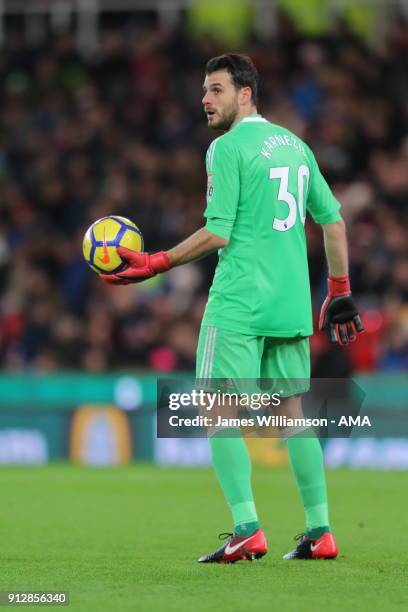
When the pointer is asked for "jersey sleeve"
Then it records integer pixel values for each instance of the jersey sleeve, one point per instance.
(321, 203)
(223, 187)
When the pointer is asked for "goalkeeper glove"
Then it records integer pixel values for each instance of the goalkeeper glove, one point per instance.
(140, 267)
(339, 316)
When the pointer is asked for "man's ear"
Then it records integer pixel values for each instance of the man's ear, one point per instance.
(245, 95)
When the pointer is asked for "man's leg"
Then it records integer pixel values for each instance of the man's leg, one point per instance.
(227, 355)
(306, 458)
(289, 360)
(232, 465)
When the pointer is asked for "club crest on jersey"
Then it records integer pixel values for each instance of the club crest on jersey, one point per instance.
(210, 187)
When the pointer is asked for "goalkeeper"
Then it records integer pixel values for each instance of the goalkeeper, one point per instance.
(261, 181)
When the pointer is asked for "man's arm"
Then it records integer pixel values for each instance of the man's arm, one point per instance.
(335, 246)
(144, 265)
(338, 315)
(198, 245)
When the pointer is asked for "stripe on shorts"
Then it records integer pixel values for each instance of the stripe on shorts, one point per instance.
(203, 360)
(208, 357)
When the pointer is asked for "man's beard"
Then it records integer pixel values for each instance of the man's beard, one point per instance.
(227, 119)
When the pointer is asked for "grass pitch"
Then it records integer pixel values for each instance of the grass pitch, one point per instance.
(128, 538)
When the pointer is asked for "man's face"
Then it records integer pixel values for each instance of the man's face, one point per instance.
(220, 100)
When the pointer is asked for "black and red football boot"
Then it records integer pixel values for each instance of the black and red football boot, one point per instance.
(324, 547)
(238, 548)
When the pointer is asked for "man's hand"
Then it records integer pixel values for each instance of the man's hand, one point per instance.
(140, 267)
(339, 315)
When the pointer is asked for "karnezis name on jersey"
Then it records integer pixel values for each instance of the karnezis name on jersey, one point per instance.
(281, 141)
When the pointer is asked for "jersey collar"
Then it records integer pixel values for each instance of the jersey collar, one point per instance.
(255, 118)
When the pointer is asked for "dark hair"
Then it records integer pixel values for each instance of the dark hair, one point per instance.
(240, 67)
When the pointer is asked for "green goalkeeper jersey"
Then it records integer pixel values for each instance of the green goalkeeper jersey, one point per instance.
(261, 181)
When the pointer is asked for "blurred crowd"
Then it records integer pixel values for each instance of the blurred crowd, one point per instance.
(122, 132)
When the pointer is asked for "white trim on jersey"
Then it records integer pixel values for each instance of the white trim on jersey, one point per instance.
(254, 120)
(211, 152)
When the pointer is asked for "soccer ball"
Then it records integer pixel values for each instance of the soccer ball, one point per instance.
(102, 238)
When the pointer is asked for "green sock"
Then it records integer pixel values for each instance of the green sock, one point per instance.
(306, 457)
(232, 465)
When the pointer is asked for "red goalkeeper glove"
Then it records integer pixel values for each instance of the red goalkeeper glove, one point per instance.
(339, 316)
(140, 267)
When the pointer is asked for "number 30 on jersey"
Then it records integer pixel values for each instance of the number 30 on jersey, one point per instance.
(282, 174)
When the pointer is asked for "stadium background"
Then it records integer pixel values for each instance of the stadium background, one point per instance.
(101, 114)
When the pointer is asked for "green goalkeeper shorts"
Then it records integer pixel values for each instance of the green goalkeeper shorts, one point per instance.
(238, 358)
